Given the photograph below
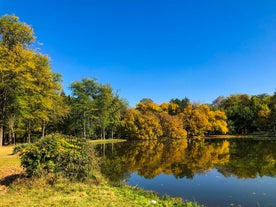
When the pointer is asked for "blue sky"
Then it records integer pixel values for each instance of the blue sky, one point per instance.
(158, 49)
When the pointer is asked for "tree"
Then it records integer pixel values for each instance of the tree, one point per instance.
(182, 104)
(147, 104)
(172, 126)
(104, 102)
(15, 40)
(83, 104)
(239, 112)
(141, 126)
(261, 112)
(200, 120)
(272, 115)
(118, 107)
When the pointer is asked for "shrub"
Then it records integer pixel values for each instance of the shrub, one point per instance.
(19, 147)
(62, 156)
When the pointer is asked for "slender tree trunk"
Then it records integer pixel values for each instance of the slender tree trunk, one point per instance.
(84, 126)
(11, 122)
(43, 129)
(14, 138)
(10, 137)
(103, 133)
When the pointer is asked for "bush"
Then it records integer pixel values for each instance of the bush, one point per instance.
(61, 156)
(19, 147)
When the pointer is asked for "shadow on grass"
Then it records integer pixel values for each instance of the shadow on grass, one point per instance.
(8, 180)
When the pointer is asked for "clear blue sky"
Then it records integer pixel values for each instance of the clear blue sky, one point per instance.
(158, 49)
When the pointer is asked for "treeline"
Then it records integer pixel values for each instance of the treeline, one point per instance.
(32, 102)
(248, 114)
(176, 119)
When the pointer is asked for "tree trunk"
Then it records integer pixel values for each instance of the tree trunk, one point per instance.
(84, 126)
(10, 137)
(14, 138)
(3, 99)
(11, 122)
(43, 129)
(103, 133)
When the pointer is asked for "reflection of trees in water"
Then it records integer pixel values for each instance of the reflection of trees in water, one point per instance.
(177, 157)
(182, 158)
(250, 159)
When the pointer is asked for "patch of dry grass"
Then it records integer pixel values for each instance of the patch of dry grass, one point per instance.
(9, 167)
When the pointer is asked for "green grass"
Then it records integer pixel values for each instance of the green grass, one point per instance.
(64, 193)
(38, 192)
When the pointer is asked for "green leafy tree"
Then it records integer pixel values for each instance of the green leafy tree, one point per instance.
(83, 104)
(272, 115)
(104, 103)
(261, 112)
(182, 104)
(239, 113)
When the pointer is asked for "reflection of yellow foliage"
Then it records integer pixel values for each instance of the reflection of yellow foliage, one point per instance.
(176, 157)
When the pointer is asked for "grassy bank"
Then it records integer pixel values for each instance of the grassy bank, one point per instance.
(38, 192)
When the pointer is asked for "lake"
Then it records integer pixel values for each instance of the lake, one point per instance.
(213, 172)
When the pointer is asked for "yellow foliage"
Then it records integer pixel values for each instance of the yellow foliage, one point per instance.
(200, 120)
(141, 126)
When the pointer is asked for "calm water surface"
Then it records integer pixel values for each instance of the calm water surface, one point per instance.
(238, 172)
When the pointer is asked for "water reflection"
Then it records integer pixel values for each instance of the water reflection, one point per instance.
(238, 172)
(182, 158)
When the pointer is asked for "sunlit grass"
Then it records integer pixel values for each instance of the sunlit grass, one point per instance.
(38, 192)
(64, 193)
(9, 164)
(106, 141)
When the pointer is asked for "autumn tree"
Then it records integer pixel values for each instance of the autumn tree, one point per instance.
(15, 39)
(200, 120)
(137, 125)
(172, 126)
(27, 84)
